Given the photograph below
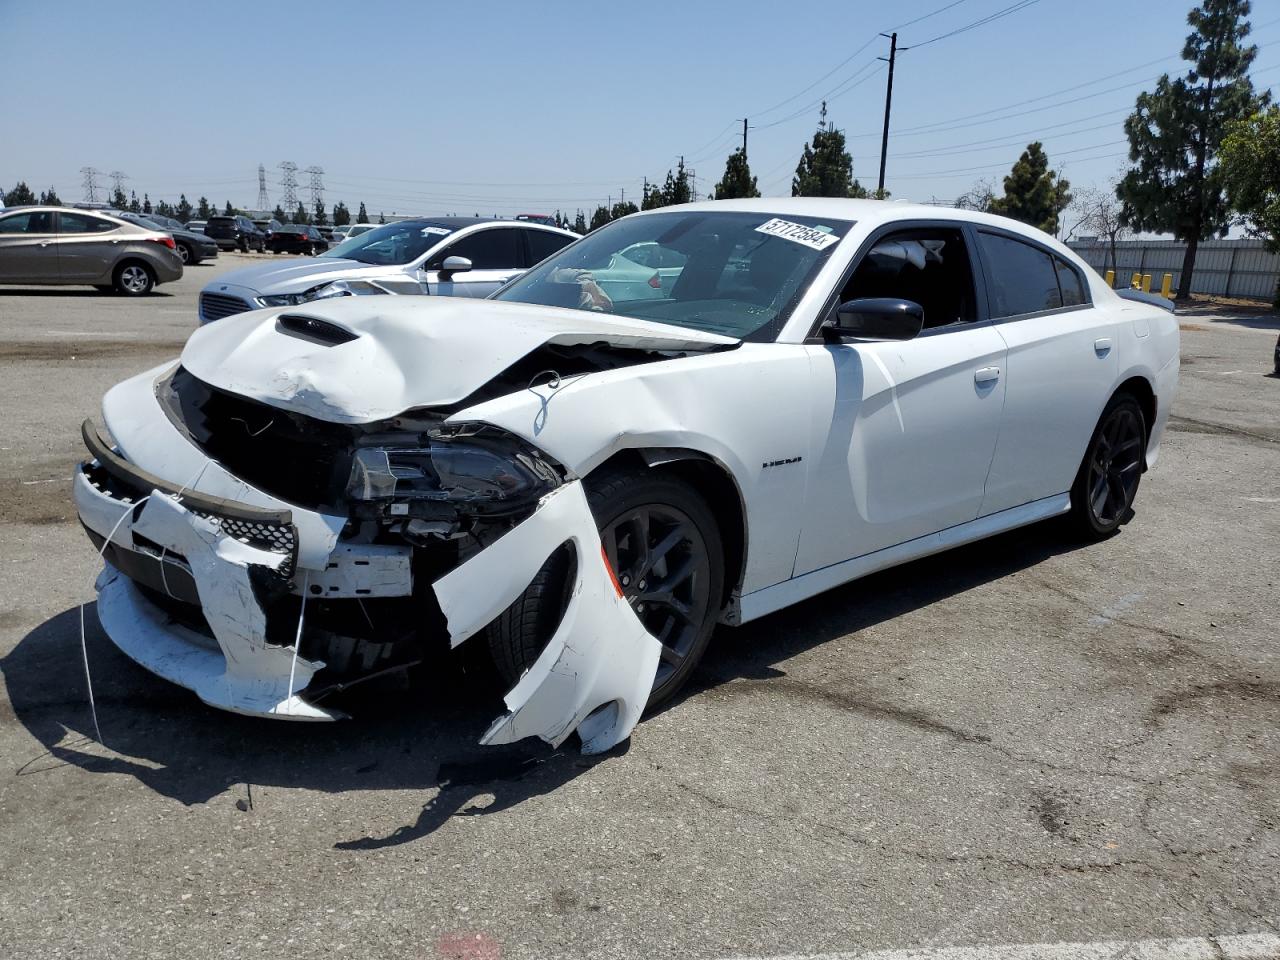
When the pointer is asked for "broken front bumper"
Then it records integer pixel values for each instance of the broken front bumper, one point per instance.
(229, 562)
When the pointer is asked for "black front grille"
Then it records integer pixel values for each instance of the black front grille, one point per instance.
(294, 457)
(215, 306)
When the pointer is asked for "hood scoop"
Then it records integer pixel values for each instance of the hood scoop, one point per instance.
(365, 359)
(314, 329)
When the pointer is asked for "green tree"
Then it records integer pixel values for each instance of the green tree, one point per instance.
(279, 214)
(228, 210)
(146, 204)
(1033, 193)
(183, 209)
(20, 194)
(580, 223)
(320, 217)
(300, 215)
(134, 205)
(676, 188)
(203, 210)
(737, 181)
(652, 197)
(362, 216)
(382, 218)
(1175, 131)
(165, 209)
(1249, 161)
(622, 209)
(49, 198)
(118, 200)
(341, 215)
(599, 218)
(825, 168)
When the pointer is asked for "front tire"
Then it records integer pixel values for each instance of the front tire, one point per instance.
(185, 254)
(1107, 481)
(134, 279)
(665, 549)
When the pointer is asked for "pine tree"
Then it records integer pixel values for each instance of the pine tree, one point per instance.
(341, 215)
(183, 209)
(134, 205)
(825, 168)
(580, 223)
(300, 215)
(622, 209)
(203, 210)
(118, 200)
(279, 214)
(737, 181)
(228, 210)
(600, 217)
(1033, 193)
(320, 218)
(652, 197)
(362, 216)
(49, 198)
(20, 194)
(146, 204)
(676, 188)
(382, 218)
(1175, 131)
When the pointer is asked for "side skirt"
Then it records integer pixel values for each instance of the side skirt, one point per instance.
(770, 599)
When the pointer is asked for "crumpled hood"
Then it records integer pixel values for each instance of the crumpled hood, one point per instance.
(408, 351)
(297, 276)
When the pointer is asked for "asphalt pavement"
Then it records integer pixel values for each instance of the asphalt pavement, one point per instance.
(1024, 741)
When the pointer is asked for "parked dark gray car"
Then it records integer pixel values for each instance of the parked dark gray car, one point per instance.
(57, 245)
(192, 247)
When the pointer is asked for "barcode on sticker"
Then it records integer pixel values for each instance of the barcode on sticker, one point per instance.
(798, 233)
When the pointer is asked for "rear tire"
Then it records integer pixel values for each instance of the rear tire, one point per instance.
(134, 279)
(674, 582)
(185, 254)
(1107, 481)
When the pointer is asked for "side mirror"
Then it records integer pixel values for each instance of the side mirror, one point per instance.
(455, 265)
(878, 318)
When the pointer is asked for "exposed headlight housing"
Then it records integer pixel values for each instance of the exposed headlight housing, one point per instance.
(323, 291)
(473, 465)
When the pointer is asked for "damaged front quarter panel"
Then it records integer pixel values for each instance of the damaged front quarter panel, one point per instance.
(596, 672)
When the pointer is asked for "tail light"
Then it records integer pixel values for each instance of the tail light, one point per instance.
(166, 240)
(656, 282)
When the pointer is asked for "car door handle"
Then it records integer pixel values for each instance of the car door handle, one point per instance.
(986, 375)
(1102, 346)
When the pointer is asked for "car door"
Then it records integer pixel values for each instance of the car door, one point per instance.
(28, 248)
(903, 436)
(87, 246)
(1061, 368)
(496, 254)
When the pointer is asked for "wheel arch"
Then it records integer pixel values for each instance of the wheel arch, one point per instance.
(716, 484)
(1140, 388)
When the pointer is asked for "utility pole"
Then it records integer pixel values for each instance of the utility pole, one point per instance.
(888, 105)
(744, 138)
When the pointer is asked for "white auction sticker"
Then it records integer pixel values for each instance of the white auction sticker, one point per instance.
(440, 231)
(798, 233)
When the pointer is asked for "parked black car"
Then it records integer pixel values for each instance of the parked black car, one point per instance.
(298, 238)
(192, 246)
(235, 233)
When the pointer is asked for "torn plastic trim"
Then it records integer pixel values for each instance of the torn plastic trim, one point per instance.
(597, 671)
(246, 674)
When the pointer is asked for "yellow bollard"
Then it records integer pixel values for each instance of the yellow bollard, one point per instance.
(1146, 283)
(1136, 282)
(1111, 279)
(1166, 286)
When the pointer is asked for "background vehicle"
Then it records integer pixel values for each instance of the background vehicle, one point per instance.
(355, 229)
(326, 232)
(58, 245)
(267, 227)
(453, 257)
(196, 226)
(235, 233)
(297, 238)
(543, 218)
(192, 247)
(339, 234)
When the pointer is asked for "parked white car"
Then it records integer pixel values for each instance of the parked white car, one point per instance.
(443, 256)
(588, 484)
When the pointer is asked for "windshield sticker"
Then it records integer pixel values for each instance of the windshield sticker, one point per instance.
(438, 231)
(798, 233)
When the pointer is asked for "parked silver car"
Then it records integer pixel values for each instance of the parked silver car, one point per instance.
(57, 245)
(439, 256)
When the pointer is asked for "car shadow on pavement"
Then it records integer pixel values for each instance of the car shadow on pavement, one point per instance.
(77, 292)
(419, 736)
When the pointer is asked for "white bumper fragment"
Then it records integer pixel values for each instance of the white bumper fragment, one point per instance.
(244, 674)
(597, 671)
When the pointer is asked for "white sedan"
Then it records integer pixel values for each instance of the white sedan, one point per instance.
(588, 484)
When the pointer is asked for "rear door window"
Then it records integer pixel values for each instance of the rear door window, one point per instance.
(494, 249)
(82, 223)
(1023, 278)
(543, 243)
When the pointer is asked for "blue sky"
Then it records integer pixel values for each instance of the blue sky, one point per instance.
(506, 107)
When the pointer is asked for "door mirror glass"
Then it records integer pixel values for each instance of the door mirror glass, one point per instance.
(455, 265)
(878, 318)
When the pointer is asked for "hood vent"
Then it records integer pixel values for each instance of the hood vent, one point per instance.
(314, 329)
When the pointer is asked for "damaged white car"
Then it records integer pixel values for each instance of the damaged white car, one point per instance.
(588, 472)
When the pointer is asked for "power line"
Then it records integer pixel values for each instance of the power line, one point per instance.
(998, 15)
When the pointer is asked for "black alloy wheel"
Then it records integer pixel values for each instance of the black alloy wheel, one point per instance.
(1107, 483)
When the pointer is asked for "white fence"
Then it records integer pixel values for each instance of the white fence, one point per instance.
(1224, 268)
